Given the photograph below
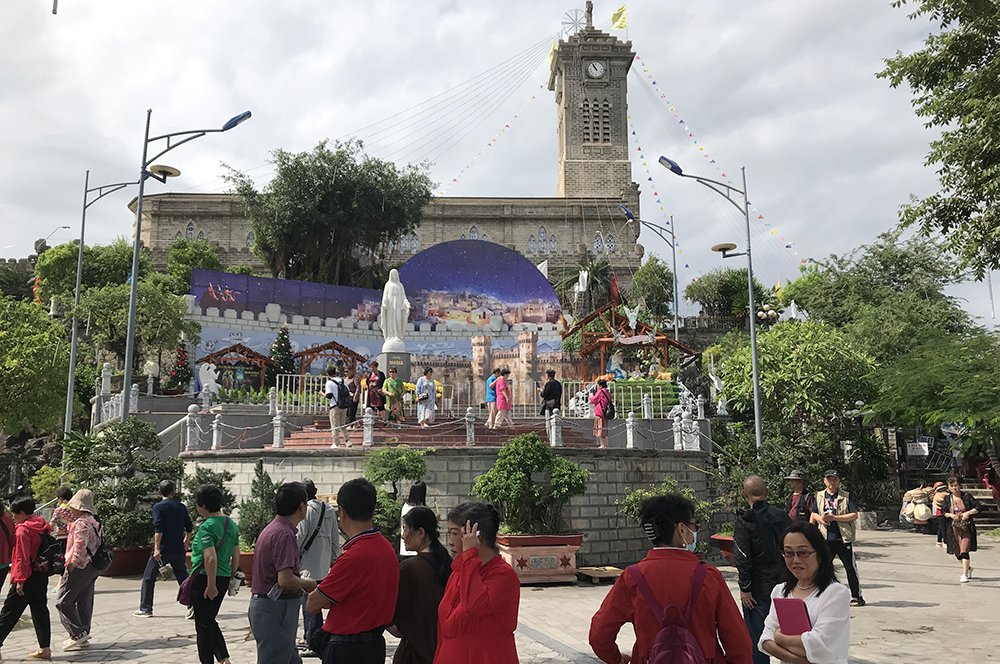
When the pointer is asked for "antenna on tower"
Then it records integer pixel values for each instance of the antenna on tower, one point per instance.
(55, 6)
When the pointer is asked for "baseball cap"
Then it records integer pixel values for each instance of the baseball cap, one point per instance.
(831, 473)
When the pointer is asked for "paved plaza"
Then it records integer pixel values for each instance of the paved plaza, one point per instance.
(916, 612)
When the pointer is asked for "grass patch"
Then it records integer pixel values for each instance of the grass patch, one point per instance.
(993, 533)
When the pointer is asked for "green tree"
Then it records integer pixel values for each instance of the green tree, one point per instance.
(529, 485)
(327, 213)
(599, 279)
(724, 292)
(124, 469)
(102, 266)
(281, 353)
(16, 281)
(259, 509)
(34, 361)
(392, 465)
(654, 282)
(954, 79)
(185, 255)
(201, 476)
(243, 269)
(809, 373)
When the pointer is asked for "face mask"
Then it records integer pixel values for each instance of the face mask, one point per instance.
(694, 542)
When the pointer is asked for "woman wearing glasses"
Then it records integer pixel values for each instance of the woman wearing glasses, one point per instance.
(673, 576)
(809, 576)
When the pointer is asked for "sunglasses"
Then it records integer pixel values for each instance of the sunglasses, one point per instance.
(804, 554)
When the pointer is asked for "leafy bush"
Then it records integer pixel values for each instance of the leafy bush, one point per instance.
(631, 506)
(123, 469)
(258, 510)
(45, 481)
(202, 476)
(391, 465)
(529, 484)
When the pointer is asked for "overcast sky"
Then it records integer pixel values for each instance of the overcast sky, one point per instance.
(787, 89)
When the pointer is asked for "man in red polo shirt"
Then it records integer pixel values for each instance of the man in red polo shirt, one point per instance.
(360, 590)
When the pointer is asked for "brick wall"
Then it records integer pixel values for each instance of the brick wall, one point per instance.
(608, 538)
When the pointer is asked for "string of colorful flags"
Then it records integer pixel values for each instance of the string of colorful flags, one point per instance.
(656, 193)
(506, 129)
(650, 80)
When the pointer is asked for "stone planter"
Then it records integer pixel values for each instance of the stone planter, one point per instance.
(725, 544)
(129, 561)
(541, 558)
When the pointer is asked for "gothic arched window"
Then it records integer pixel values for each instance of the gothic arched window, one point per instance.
(201, 236)
(553, 245)
(414, 243)
(473, 233)
(605, 122)
(392, 246)
(250, 240)
(531, 244)
(485, 238)
(610, 242)
(585, 116)
(462, 238)
(190, 231)
(598, 244)
(542, 240)
(404, 243)
(178, 236)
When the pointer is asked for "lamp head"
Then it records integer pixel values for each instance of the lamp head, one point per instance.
(238, 119)
(162, 171)
(671, 165)
(628, 213)
(724, 247)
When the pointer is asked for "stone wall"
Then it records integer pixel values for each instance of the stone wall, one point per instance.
(608, 538)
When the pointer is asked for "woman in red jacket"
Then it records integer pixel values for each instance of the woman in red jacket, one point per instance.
(28, 586)
(478, 615)
(716, 622)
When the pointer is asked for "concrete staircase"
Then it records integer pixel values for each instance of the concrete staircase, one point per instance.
(451, 435)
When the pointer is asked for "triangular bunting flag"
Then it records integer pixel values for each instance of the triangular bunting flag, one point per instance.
(760, 216)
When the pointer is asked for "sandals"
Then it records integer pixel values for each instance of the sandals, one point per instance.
(41, 653)
(858, 602)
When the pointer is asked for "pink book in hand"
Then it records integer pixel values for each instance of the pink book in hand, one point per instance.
(793, 618)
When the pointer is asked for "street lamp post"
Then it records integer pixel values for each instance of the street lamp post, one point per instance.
(160, 173)
(673, 245)
(102, 191)
(726, 250)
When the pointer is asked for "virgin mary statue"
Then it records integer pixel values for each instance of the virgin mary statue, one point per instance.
(394, 315)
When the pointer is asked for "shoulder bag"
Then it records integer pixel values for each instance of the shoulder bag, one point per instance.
(184, 591)
(319, 524)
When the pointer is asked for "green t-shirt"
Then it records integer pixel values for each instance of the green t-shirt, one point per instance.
(208, 536)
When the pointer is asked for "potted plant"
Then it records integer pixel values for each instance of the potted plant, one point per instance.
(255, 513)
(529, 485)
(630, 506)
(392, 465)
(123, 469)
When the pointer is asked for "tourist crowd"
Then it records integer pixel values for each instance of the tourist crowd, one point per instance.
(459, 604)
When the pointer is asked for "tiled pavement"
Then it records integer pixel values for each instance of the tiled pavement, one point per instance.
(917, 612)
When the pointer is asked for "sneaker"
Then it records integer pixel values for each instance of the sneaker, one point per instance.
(142, 614)
(940, 543)
(963, 579)
(79, 643)
(969, 573)
(190, 613)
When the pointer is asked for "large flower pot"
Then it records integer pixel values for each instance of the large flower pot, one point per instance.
(541, 558)
(725, 544)
(129, 561)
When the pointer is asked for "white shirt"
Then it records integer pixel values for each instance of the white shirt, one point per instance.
(830, 615)
(316, 562)
(332, 387)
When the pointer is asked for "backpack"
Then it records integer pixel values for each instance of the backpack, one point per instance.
(343, 395)
(675, 643)
(102, 557)
(804, 507)
(609, 409)
(50, 556)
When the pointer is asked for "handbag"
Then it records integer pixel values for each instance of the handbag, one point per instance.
(184, 591)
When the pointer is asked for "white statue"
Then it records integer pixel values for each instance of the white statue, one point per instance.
(633, 315)
(208, 375)
(394, 315)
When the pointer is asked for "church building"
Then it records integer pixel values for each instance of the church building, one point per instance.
(588, 75)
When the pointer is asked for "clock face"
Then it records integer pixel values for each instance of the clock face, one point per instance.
(595, 69)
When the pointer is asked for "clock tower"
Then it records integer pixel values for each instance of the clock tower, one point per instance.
(588, 74)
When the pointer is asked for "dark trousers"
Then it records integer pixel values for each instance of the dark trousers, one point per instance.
(35, 589)
(176, 560)
(75, 601)
(356, 652)
(211, 643)
(352, 411)
(754, 618)
(845, 551)
(310, 621)
(942, 528)
(3, 574)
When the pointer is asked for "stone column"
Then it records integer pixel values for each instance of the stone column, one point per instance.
(689, 432)
(278, 439)
(106, 381)
(368, 420)
(678, 436)
(470, 426)
(630, 428)
(193, 434)
(555, 439)
(701, 407)
(133, 400)
(206, 399)
(647, 406)
(149, 384)
(272, 402)
(217, 432)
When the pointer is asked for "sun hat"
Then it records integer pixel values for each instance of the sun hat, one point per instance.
(83, 500)
(796, 475)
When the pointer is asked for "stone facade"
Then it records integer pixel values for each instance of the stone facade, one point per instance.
(609, 539)
(595, 176)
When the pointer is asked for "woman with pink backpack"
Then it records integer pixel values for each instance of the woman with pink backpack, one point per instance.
(681, 608)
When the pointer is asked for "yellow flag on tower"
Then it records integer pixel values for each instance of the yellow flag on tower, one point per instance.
(553, 51)
(618, 19)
